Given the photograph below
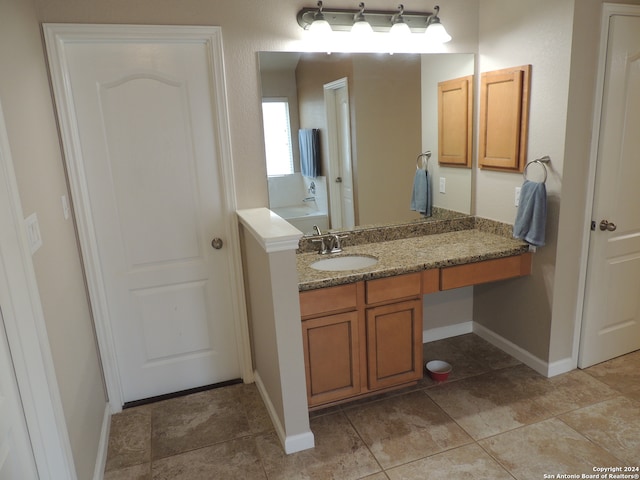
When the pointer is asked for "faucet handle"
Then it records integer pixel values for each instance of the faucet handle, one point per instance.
(336, 244)
(316, 230)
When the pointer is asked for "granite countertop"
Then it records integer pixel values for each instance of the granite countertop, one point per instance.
(410, 255)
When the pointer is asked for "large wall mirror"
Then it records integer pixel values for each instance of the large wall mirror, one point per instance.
(343, 133)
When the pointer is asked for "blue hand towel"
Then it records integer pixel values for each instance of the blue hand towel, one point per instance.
(421, 194)
(531, 217)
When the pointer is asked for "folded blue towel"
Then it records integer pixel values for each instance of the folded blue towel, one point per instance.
(421, 194)
(531, 217)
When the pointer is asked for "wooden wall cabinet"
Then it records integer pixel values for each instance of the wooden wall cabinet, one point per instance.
(455, 122)
(504, 118)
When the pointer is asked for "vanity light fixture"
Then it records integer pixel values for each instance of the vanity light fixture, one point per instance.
(376, 20)
(435, 30)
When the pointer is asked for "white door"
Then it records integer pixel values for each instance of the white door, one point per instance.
(611, 317)
(16, 457)
(340, 162)
(146, 118)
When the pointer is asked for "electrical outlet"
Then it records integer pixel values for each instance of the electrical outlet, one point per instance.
(33, 232)
(517, 199)
(443, 184)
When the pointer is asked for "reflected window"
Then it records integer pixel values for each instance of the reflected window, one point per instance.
(277, 136)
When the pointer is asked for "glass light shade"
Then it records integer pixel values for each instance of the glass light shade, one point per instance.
(400, 29)
(437, 33)
(361, 27)
(320, 27)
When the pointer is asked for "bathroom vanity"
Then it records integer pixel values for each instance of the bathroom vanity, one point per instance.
(324, 337)
(362, 328)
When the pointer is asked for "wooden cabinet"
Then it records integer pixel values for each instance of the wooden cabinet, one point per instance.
(455, 122)
(504, 118)
(394, 344)
(366, 337)
(361, 338)
(332, 357)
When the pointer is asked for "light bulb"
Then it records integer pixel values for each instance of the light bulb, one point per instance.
(400, 29)
(437, 33)
(320, 27)
(361, 27)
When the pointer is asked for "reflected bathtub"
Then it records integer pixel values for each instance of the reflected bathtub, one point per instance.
(303, 217)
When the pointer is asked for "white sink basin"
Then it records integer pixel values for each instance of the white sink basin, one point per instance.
(344, 262)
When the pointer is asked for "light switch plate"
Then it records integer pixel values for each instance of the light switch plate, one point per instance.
(443, 184)
(33, 232)
(517, 199)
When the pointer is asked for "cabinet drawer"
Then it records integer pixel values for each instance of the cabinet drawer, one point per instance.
(487, 271)
(327, 300)
(393, 288)
(431, 280)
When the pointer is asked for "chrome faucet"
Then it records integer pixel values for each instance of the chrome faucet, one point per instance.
(329, 243)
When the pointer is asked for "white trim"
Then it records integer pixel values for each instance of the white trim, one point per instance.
(561, 366)
(608, 10)
(103, 446)
(26, 332)
(56, 37)
(440, 333)
(292, 443)
(272, 232)
(336, 212)
(544, 368)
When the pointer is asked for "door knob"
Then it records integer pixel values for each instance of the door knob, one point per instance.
(606, 225)
(216, 243)
(338, 179)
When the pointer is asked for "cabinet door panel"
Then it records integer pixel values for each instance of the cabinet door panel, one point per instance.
(331, 356)
(455, 121)
(394, 343)
(504, 118)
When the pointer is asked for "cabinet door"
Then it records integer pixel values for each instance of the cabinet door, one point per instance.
(331, 357)
(394, 343)
(504, 118)
(455, 121)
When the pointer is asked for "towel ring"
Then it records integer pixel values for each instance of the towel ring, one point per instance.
(421, 163)
(540, 161)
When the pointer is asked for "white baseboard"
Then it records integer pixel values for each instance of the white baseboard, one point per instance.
(561, 366)
(103, 445)
(433, 334)
(543, 368)
(292, 443)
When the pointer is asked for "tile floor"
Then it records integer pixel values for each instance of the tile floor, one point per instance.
(493, 419)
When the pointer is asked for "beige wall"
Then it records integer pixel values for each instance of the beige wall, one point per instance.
(561, 40)
(387, 135)
(458, 181)
(512, 34)
(33, 138)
